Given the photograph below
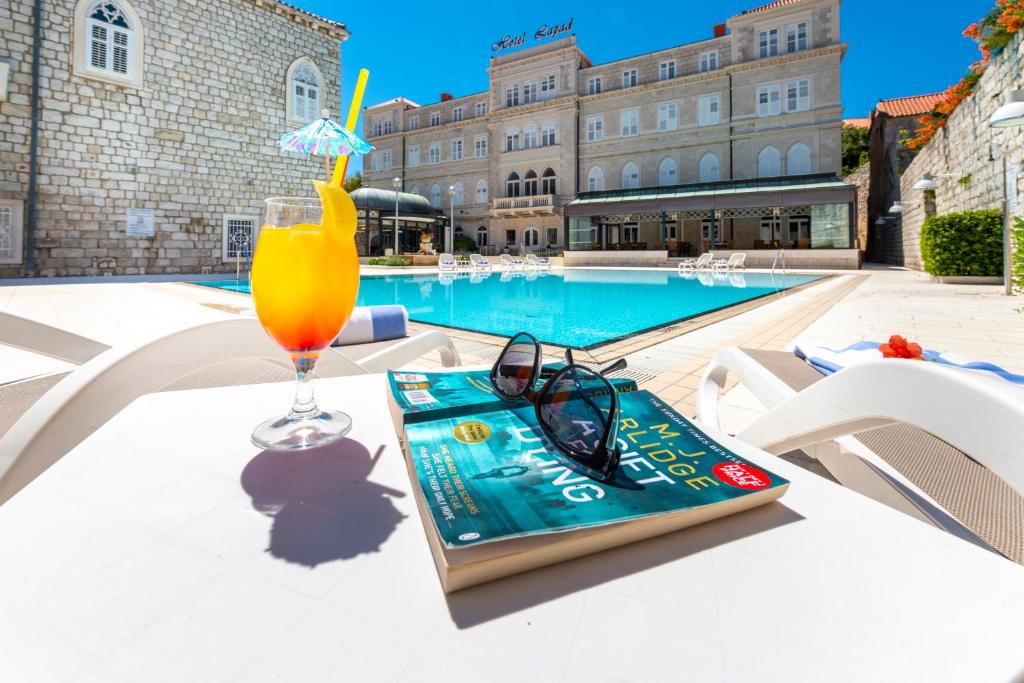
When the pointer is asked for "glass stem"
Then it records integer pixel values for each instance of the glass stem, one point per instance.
(305, 403)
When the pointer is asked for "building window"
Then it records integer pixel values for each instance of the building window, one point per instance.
(630, 176)
(630, 233)
(552, 237)
(798, 160)
(798, 95)
(512, 185)
(239, 234)
(388, 127)
(771, 228)
(481, 109)
(434, 153)
(481, 236)
(435, 196)
(629, 78)
(709, 60)
(378, 127)
(547, 86)
(12, 231)
(547, 135)
(667, 70)
(594, 85)
(415, 189)
(768, 43)
(530, 184)
(630, 119)
(547, 182)
(529, 92)
(435, 118)
(595, 128)
(769, 163)
(414, 123)
(414, 156)
(382, 160)
(510, 237)
(796, 37)
(709, 169)
(668, 116)
(512, 95)
(456, 114)
(108, 42)
(530, 137)
(531, 237)
(671, 230)
(481, 191)
(304, 94)
(480, 146)
(708, 110)
(458, 196)
(667, 172)
(511, 139)
(457, 150)
(595, 179)
(768, 103)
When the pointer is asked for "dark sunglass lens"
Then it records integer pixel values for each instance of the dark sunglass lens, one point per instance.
(515, 367)
(575, 408)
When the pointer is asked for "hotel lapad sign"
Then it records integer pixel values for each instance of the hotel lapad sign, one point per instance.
(543, 32)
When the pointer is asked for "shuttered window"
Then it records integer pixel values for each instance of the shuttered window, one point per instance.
(109, 40)
(305, 93)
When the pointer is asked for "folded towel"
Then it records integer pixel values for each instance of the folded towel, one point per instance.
(372, 324)
(827, 361)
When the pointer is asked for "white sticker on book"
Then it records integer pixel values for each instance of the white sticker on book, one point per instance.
(404, 377)
(419, 397)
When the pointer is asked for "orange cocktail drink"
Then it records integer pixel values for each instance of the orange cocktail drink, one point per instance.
(305, 278)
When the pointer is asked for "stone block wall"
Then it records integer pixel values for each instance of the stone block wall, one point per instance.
(969, 150)
(196, 142)
(862, 179)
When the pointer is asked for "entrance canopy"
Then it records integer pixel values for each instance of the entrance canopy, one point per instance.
(418, 221)
(410, 206)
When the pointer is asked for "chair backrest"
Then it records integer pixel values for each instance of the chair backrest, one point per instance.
(705, 258)
(446, 258)
(505, 258)
(531, 258)
(737, 260)
(477, 258)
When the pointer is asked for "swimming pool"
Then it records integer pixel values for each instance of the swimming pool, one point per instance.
(581, 308)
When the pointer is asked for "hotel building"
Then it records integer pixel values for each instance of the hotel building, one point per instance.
(732, 142)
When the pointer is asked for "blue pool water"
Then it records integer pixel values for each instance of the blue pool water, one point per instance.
(579, 308)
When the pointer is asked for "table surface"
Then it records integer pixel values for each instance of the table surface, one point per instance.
(166, 547)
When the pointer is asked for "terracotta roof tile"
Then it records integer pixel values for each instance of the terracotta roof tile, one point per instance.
(768, 6)
(914, 105)
(857, 123)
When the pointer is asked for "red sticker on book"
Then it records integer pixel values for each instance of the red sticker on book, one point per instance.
(741, 476)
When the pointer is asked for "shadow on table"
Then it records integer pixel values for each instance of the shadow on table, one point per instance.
(323, 506)
(479, 604)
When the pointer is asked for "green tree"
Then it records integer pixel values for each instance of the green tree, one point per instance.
(855, 148)
(353, 182)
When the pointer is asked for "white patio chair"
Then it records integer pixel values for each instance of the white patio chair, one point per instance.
(97, 390)
(702, 261)
(954, 435)
(532, 261)
(479, 263)
(509, 262)
(446, 263)
(734, 262)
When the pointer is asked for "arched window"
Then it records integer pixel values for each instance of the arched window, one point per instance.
(530, 183)
(481, 191)
(595, 179)
(512, 185)
(668, 172)
(108, 42)
(630, 176)
(435, 196)
(769, 163)
(547, 134)
(531, 237)
(530, 136)
(547, 182)
(457, 194)
(798, 160)
(481, 236)
(415, 189)
(709, 169)
(303, 91)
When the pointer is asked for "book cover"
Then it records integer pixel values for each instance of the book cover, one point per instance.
(493, 476)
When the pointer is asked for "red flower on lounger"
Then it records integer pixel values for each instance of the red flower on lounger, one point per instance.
(898, 347)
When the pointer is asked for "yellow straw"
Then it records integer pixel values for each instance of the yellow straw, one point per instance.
(341, 163)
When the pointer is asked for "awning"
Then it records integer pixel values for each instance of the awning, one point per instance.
(803, 190)
(410, 206)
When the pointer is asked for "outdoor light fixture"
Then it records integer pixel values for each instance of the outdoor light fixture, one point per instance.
(1010, 114)
(927, 182)
(897, 207)
(880, 221)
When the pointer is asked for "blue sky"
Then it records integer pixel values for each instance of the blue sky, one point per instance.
(897, 47)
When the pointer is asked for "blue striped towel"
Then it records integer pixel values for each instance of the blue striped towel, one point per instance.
(373, 324)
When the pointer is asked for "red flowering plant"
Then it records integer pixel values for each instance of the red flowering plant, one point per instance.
(898, 347)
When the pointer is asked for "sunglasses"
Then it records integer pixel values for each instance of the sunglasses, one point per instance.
(577, 408)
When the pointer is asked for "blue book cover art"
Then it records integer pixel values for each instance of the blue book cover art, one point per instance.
(423, 396)
(493, 475)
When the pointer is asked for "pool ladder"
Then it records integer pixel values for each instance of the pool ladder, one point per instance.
(780, 255)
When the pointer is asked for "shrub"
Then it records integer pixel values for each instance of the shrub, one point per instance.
(1018, 254)
(968, 243)
(461, 243)
(389, 261)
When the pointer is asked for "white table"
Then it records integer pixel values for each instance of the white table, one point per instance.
(151, 553)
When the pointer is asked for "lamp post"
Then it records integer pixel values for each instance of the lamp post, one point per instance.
(449, 238)
(397, 184)
(1010, 115)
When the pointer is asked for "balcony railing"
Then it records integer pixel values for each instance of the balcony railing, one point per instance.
(527, 206)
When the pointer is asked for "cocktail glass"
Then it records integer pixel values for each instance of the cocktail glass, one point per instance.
(305, 278)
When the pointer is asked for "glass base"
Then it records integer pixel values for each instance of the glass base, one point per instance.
(298, 432)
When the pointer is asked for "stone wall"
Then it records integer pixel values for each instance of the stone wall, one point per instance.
(196, 142)
(862, 179)
(970, 151)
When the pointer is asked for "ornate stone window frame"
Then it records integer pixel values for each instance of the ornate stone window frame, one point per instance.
(79, 62)
(240, 248)
(289, 88)
(14, 209)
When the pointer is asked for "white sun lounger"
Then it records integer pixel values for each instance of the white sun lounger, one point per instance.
(479, 263)
(532, 261)
(702, 261)
(446, 263)
(734, 262)
(509, 262)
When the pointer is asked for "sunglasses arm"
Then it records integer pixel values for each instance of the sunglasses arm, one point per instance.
(620, 364)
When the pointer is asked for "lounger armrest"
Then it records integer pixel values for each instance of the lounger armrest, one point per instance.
(766, 387)
(407, 351)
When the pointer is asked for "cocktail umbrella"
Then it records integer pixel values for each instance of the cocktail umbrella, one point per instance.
(326, 137)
